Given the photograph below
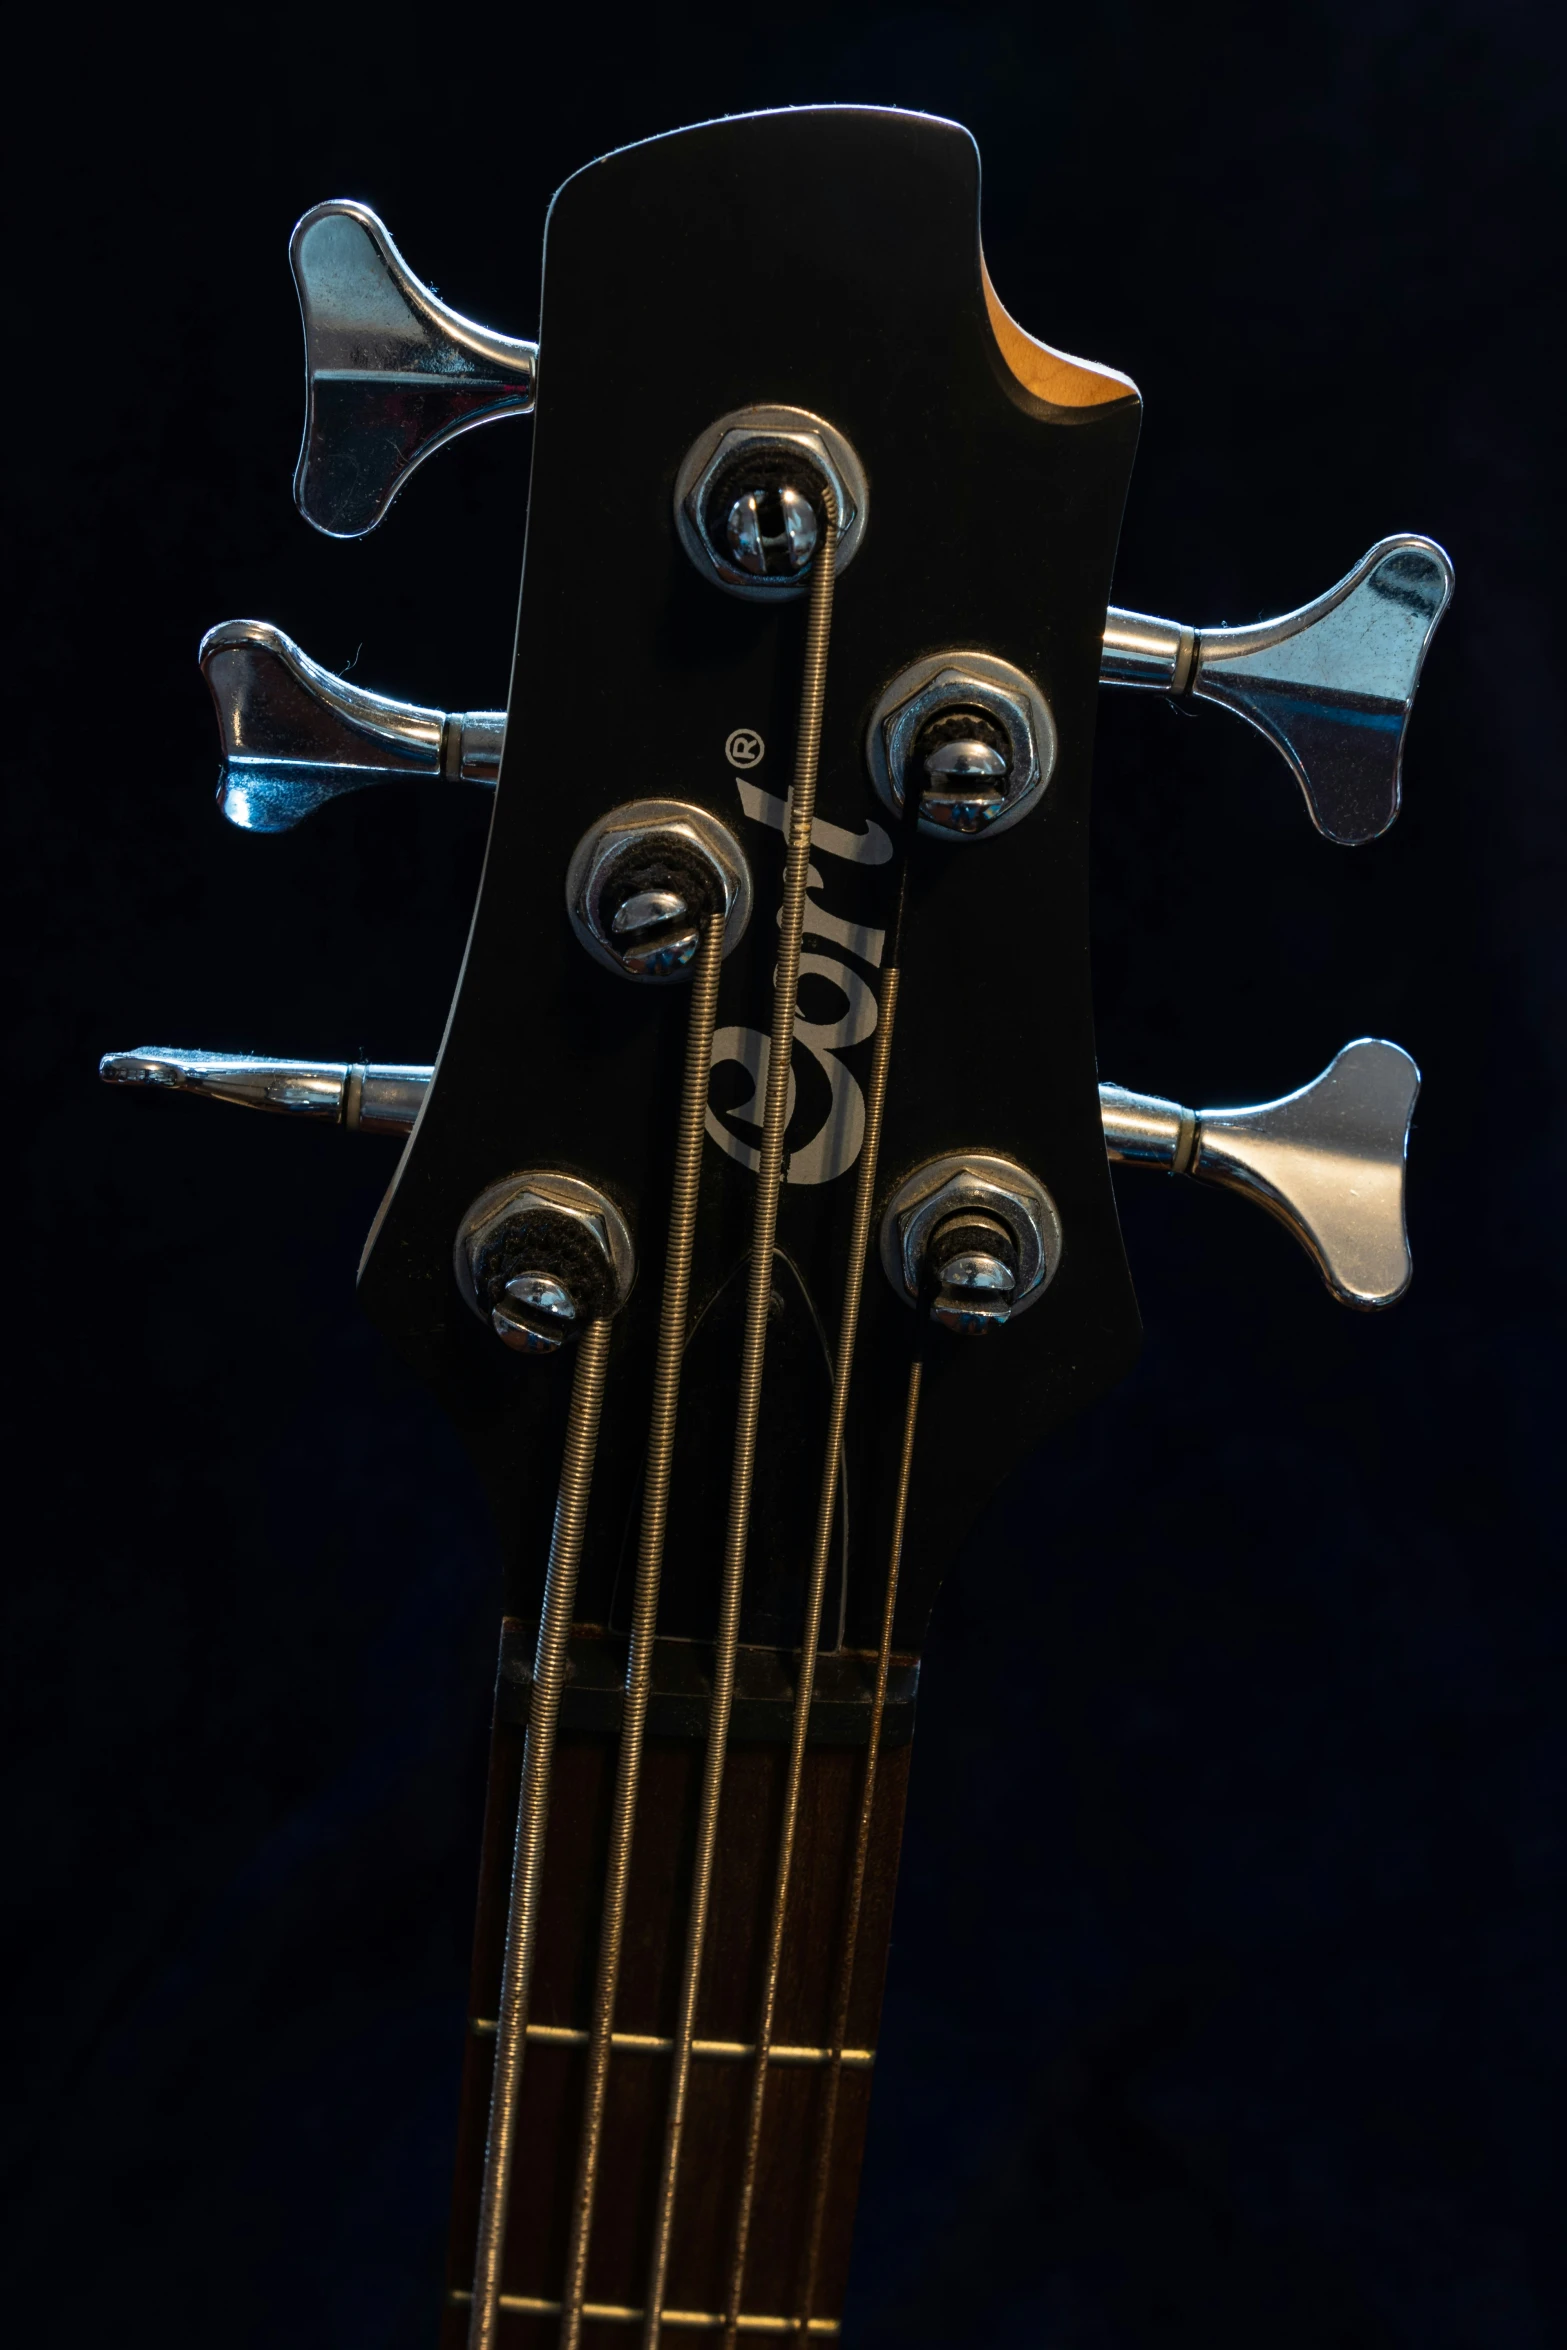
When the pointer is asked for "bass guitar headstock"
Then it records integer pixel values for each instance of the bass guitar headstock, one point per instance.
(756, 1218)
(683, 440)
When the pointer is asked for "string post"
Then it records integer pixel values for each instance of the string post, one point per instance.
(643, 880)
(971, 735)
(976, 1235)
(971, 1267)
(542, 1256)
(771, 531)
(751, 501)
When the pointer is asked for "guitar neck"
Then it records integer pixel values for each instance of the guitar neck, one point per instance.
(836, 1939)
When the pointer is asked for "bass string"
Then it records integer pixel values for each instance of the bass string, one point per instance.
(828, 2114)
(673, 1313)
(843, 1370)
(758, 1298)
(810, 1637)
(522, 1914)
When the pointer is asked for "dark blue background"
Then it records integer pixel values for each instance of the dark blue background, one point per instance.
(1227, 2000)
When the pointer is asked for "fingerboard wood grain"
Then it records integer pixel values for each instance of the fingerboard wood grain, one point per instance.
(554, 2073)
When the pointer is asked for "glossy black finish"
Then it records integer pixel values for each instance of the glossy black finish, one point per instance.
(855, 233)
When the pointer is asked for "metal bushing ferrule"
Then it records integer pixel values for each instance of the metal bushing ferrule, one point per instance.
(765, 440)
(663, 829)
(543, 1238)
(961, 681)
(979, 1183)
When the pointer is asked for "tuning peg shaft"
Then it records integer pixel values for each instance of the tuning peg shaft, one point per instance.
(1328, 1161)
(1330, 685)
(368, 1097)
(391, 373)
(295, 736)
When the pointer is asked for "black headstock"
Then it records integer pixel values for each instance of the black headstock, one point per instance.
(682, 288)
(722, 305)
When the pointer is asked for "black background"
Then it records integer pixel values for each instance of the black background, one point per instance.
(1227, 1990)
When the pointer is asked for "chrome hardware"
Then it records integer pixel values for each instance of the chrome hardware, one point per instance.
(368, 1097)
(971, 1205)
(952, 713)
(294, 736)
(1331, 685)
(640, 880)
(965, 774)
(1327, 1161)
(391, 374)
(745, 499)
(1156, 656)
(539, 1254)
(534, 1314)
(972, 1260)
(649, 912)
(771, 532)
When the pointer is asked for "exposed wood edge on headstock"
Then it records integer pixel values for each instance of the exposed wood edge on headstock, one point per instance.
(1051, 375)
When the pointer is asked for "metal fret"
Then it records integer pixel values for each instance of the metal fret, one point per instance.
(621, 2313)
(656, 2044)
(680, 1698)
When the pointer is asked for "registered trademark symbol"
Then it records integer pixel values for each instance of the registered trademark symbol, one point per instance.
(744, 748)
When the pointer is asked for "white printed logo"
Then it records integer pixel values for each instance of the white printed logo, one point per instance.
(832, 1150)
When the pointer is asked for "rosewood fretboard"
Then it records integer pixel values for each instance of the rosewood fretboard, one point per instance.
(539, 2215)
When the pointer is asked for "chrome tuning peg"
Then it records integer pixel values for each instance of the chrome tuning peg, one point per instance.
(368, 1097)
(391, 374)
(294, 736)
(1330, 685)
(1328, 1161)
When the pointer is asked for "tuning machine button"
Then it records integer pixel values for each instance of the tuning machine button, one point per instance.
(294, 736)
(1331, 685)
(391, 373)
(1328, 1161)
(972, 1262)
